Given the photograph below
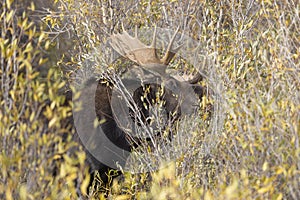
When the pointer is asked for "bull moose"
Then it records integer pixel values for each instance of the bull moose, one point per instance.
(147, 59)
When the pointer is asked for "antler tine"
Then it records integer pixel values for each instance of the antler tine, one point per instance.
(135, 31)
(169, 55)
(153, 44)
(122, 25)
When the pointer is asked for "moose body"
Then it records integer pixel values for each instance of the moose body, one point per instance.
(146, 58)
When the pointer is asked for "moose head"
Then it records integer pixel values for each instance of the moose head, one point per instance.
(152, 70)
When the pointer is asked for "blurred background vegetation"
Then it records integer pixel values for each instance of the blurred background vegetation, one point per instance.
(253, 48)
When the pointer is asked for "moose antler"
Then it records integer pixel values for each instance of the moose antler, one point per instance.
(147, 56)
(143, 55)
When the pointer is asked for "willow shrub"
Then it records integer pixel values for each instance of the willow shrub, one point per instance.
(34, 138)
(254, 50)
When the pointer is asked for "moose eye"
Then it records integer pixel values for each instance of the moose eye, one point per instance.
(172, 84)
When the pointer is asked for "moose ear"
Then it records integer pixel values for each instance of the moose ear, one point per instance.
(199, 90)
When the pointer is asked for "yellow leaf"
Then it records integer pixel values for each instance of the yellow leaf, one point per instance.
(32, 7)
(85, 184)
(42, 61)
(279, 196)
(56, 157)
(264, 189)
(31, 116)
(42, 36)
(52, 105)
(8, 3)
(265, 166)
(52, 122)
(62, 84)
(251, 149)
(232, 188)
(47, 44)
(27, 64)
(81, 157)
(9, 16)
(280, 170)
(123, 197)
(23, 192)
(208, 196)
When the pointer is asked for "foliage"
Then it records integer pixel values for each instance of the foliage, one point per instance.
(250, 47)
(33, 139)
